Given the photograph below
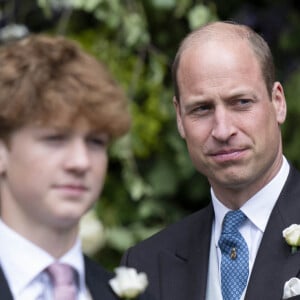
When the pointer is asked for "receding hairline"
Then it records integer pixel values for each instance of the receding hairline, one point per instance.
(215, 31)
(225, 31)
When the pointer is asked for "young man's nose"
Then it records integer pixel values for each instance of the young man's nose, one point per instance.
(77, 156)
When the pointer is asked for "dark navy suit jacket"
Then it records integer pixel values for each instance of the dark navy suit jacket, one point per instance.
(96, 278)
(176, 259)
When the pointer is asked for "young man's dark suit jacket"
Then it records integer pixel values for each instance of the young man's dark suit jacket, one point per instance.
(96, 278)
(176, 259)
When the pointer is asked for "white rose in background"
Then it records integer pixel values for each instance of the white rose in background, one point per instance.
(127, 283)
(13, 32)
(91, 233)
(292, 236)
(291, 288)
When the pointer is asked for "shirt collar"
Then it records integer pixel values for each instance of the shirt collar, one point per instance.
(75, 259)
(20, 271)
(259, 207)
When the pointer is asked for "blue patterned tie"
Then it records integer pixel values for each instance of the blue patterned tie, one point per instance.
(235, 257)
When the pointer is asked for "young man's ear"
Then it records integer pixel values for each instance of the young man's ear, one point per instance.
(3, 156)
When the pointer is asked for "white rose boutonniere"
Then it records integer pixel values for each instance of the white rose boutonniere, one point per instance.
(292, 236)
(127, 283)
(291, 288)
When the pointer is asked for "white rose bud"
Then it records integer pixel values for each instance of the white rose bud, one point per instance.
(292, 235)
(128, 283)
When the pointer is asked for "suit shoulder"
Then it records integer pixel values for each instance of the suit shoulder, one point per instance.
(178, 232)
(97, 280)
(95, 269)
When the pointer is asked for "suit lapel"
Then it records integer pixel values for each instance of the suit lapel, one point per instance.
(184, 273)
(5, 293)
(173, 287)
(274, 263)
(97, 281)
(266, 277)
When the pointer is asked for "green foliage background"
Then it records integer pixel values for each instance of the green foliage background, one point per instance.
(151, 181)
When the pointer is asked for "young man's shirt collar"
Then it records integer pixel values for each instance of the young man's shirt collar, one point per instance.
(22, 262)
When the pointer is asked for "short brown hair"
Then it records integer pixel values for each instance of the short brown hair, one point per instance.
(258, 45)
(50, 79)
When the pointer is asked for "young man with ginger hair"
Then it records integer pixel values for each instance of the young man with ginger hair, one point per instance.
(59, 109)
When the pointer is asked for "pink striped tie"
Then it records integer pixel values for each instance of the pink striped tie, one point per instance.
(63, 280)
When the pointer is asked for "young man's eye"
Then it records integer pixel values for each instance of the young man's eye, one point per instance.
(98, 141)
(55, 137)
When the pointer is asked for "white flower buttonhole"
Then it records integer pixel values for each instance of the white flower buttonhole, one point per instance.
(292, 236)
(127, 283)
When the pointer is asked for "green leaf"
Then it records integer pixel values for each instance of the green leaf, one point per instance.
(199, 15)
(164, 4)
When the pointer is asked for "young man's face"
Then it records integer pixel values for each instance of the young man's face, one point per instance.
(51, 175)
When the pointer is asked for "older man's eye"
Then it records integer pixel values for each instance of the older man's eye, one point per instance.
(244, 101)
(243, 104)
(202, 109)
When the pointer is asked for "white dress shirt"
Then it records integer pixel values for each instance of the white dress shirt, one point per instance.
(257, 209)
(23, 263)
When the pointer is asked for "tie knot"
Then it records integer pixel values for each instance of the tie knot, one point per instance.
(61, 274)
(232, 221)
(63, 280)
